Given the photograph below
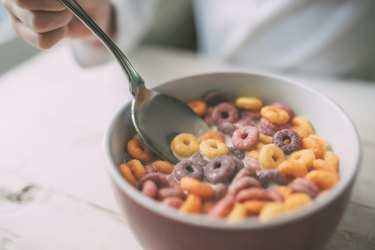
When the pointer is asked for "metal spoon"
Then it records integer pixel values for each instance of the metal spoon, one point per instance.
(157, 117)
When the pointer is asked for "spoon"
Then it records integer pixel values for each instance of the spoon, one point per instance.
(157, 117)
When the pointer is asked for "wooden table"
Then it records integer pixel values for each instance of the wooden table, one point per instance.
(54, 189)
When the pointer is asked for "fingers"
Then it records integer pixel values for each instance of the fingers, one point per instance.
(39, 5)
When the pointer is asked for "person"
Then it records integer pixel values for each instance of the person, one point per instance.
(329, 37)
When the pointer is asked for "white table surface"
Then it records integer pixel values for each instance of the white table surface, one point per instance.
(54, 189)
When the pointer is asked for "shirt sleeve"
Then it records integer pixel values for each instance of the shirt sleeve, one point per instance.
(133, 18)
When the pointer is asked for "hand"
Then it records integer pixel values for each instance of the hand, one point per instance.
(43, 23)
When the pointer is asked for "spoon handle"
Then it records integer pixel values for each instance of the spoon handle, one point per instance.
(134, 78)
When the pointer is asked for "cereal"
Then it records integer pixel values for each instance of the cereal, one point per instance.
(137, 169)
(199, 107)
(296, 201)
(243, 183)
(163, 167)
(316, 144)
(251, 103)
(192, 204)
(138, 150)
(215, 97)
(285, 191)
(254, 207)
(253, 194)
(245, 137)
(212, 135)
(302, 185)
(292, 169)
(164, 193)
(188, 168)
(274, 176)
(302, 126)
(238, 153)
(127, 174)
(275, 115)
(174, 202)
(220, 169)
(265, 139)
(304, 156)
(196, 187)
(254, 154)
(150, 189)
(212, 148)
(270, 156)
(197, 159)
(268, 128)
(330, 162)
(245, 171)
(185, 145)
(226, 128)
(220, 191)
(271, 211)
(157, 178)
(288, 140)
(225, 112)
(238, 213)
(222, 207)
(323, 179)
(284, 107)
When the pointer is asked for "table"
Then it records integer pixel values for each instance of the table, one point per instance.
(54, 189)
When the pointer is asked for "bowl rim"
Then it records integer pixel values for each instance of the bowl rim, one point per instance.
(250, 223)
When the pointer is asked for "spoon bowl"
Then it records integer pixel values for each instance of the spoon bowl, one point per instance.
(157, 117)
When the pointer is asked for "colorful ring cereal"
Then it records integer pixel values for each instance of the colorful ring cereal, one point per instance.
(193, 186)
(292, 169)
(285, 191)
(296, 201)
(330, 162)
(226, 128)
(212, 135)
(271, 211)
(138, 150)
(192, 204)
(149, 189)
(164, 193)
(214, 97)
(302, 185)
(304, 156)
(212, 148)
(245, 137)
(185, 145)
(127, 174)
(243, 183)
(288, 140)
(273, 176)
(302, 126)
(174, 202)
(225, 112)
(253, 194)
(265, 139)
(220, 169)
(238, 153)
(283, 106)
(253, 207)
(237, 214)
(251, 103)
(223, 207)
(197, 159)
(137, 169)
(316, 144)
(323, 179)
(275, 115)
(188, 168)
(163, 167)
(199, 107)
(270, 156)
(157, 178)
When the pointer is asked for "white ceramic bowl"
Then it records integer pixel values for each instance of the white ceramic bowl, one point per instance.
(159, 227)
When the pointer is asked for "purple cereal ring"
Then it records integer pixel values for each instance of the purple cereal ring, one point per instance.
(243, 183)
(226, 128)
(251, 115)
(238, 153)
(197, 158)
(284, 107)
(288, 140)
(238, 164)
(157, 178)
(208, 118)
(188, 168)
(164, 193)
(150, 189)
(274, 176)
(222, 207)
(225, 112)
(214, 97)
(253, 194)
(302, 185)
(220, 169)
(245, 137)
(173, 182)
(245, 172)
(220, 191)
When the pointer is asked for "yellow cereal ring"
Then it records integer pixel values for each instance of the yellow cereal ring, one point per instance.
(138, 150)
(271, 211)
(238, 213)
(270, 156)
(275, 115)
(185, 145)
(212, 148)
(163, 167)
(265, 139)
(330, 162)
(198, 106)
(292, 168)
(302, 126)
(212, 135)
(192, 204)
(323, 179)
(296, 200)
(127, 174)
(137, 168)
(254, 207)
(316, 144)
(196, 187)
(285, 191)
(304, 156)
(253, 154)
(251, 103)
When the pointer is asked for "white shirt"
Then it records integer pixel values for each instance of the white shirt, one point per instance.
(331, 37)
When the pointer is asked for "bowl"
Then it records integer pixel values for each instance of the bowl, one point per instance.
(159, 227)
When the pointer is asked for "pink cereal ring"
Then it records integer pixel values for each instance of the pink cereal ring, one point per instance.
(150, 189)
(245, 137)
(253, 193)
(225, 112)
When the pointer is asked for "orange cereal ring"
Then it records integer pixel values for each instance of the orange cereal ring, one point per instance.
(265, 139)
(296, 200)
(302, 126)
(137, 168)
(271, 211)
(316, 144)
(330, 162)
(323, 179)
(275, 115)
(138, 150)
(185, 145)
(196, 187)
(192, 204)
(270, 156)
(251, 103)
(254, 207)
(253, 154)
(212, 135)
(212, 148)
(198, 106)
(163, 167)
(292, 168)
(304, 156)
(127, 174)
(207, 206)
(238, 213)
(283, 190)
